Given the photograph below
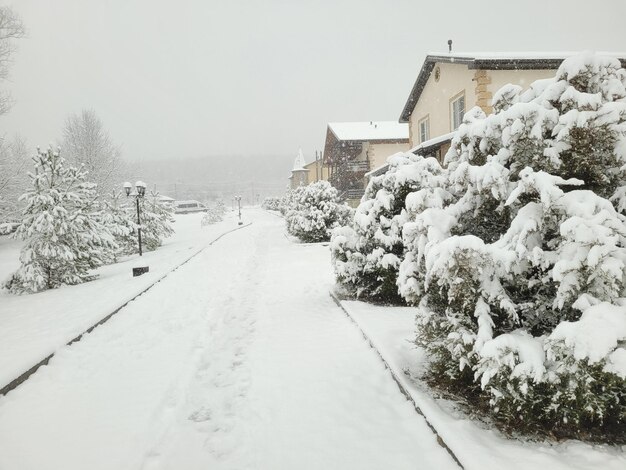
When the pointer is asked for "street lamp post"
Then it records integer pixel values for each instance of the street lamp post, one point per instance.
(140, 192)
(238, 198)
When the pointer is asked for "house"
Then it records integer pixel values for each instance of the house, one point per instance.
(353, 148)
(448, 85)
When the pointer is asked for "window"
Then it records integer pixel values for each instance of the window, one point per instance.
(424, 125)
(457, 110)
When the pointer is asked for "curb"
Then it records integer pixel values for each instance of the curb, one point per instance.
(398, 382)
(26, 375)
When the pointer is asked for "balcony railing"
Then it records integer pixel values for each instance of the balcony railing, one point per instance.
(361, 166)
(355, 193)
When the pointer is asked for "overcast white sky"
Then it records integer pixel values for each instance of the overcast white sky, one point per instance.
(190, 78)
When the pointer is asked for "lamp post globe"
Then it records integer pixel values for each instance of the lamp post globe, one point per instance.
(140, 186)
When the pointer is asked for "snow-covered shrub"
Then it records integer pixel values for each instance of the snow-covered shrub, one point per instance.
(271, 203)
(156, 222)
(214, 214)
(315, 211)
(61, 225)
(288, 201)
(367, 252)
(520, 273)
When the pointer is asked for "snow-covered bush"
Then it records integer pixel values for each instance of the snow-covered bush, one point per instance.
(62, 228)
(367, 252)
(316, 210)
(156, 221)
(519, 267)
(288, 201)
(271, 203)
(214, 214)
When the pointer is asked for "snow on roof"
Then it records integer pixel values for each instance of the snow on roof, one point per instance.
(189, 201)
(529, 55)
(372, 130)
(433, 142)
(299, 163)
(427, 144)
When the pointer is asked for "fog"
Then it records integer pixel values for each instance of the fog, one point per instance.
(208, 80)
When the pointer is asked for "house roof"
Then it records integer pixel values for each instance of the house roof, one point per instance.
(367, 131)
(489, 61)
(434, 143)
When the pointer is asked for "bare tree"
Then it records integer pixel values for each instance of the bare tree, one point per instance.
(13, 177)
(85, 142)
(11, 28)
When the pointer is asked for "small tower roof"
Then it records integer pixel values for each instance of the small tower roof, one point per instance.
(299, 162)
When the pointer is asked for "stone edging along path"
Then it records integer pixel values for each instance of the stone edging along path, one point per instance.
(27, 374)
(398, 382)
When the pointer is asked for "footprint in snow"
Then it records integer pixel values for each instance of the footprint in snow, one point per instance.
(200, 415)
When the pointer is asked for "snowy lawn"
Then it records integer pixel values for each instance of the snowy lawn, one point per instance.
(237, 360)
(392, 330)
(36, 325)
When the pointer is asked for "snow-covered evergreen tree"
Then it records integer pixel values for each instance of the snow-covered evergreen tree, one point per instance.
(520, 274)
(220, 207)
(118, 217)
(62, 228)
(156, 221)
(367, 253)
(316, 210)
(14, 162)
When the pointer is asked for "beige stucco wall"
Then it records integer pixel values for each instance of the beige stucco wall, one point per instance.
(488, 82)
(478, 85)
(378, 153)
(435, 99)
(314, 174)
(524, 78)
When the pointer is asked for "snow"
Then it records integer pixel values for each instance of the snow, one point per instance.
(518, 350)
(599, 331)
(431, 142)
(34, 326)
(239, 359)
(392, 330)
(373, 130)
(415, 150)
(299, 163)
(518, 55)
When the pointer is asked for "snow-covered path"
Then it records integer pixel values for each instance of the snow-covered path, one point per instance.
(238, 360)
